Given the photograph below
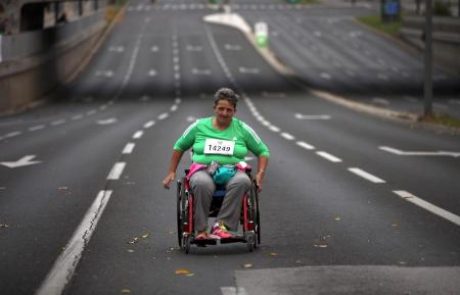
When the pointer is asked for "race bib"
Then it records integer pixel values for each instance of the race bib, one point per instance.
(218, 146)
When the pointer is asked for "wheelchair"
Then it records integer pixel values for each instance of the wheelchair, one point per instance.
(249, 232)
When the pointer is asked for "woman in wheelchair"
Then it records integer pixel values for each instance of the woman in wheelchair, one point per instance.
(221, 140)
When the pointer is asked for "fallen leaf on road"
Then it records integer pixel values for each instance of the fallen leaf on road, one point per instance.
(145, 236)
(183, 272)
(247, 265)
(273, 254)
(337, 218)
(125, 291)
(130, 250)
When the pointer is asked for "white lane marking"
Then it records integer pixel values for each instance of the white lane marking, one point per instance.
(312, 117)
(103, 107)
(152, 73)
(116, 49)
(107, 121)
(129, 147)
(194, 48)
(233, 291)
(163, 116)
(244, 70)
(379, 100)
(138, 134)
(428, 206)
(154, 49)
(116, 171)
(196, 71)
(173, 108)
(329, 157)
(90, 113)
(232, 47)
(58, 122)
(305, 145)
(77, 117)
(149, 124)
(178, 100)
(66, 263)
(325, 76)
(366, 175)
(12, 134)
(274, 128)
(37, 127)
(287, 136)
(419, 153)
(24, 161)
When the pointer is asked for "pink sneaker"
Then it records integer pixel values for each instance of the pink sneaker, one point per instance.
(220, 231)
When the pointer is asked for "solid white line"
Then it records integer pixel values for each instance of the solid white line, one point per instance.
(329, 157)
(428, 206)
(35, 128)
(366, 175)
(138, 134)
(287, 136)
(116, 171)
(149, 124)
(305, 145)
(173, 108)
(65, 265)
(92, 112)
(163, 116)
(233, 291)
(128, 148)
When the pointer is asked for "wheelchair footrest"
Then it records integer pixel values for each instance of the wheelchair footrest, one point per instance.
(204, 242)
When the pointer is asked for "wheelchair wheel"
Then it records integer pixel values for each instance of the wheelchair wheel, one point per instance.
(180, 196)
(257, 219)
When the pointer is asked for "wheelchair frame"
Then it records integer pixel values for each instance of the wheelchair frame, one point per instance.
(249, 220)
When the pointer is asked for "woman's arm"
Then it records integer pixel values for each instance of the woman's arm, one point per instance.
(175, 159)
(261, 166)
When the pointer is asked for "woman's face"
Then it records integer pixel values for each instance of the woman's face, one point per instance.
(224, 112)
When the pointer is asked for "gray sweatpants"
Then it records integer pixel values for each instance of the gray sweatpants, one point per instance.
(203, 188)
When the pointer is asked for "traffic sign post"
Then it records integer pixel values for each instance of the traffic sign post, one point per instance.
(261, 33)
(390, 10)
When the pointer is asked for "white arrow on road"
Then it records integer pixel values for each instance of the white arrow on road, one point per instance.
(419, 153)
(312, 117)
(24, 161)
(107, 121)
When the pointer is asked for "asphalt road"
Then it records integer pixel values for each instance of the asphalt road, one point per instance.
(350, 204)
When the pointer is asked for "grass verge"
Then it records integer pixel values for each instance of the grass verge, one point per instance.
(374, 21)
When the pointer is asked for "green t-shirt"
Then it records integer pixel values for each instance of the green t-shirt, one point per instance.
(237, 139)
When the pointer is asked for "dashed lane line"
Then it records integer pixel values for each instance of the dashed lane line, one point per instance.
(366, 175)
(116, 171)
(138, 134)
(129, 147)
(329, 157)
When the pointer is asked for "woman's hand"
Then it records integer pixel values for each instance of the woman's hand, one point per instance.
(168, 179)
(259, 180)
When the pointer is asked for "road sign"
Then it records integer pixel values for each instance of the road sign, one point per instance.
(261, 32)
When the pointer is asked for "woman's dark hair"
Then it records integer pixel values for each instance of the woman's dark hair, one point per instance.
(226, 94)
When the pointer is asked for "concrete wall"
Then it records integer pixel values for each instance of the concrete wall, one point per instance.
(446, 39)
(34, 63)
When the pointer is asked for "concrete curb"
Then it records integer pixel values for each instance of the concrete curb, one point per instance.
(236, 21)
